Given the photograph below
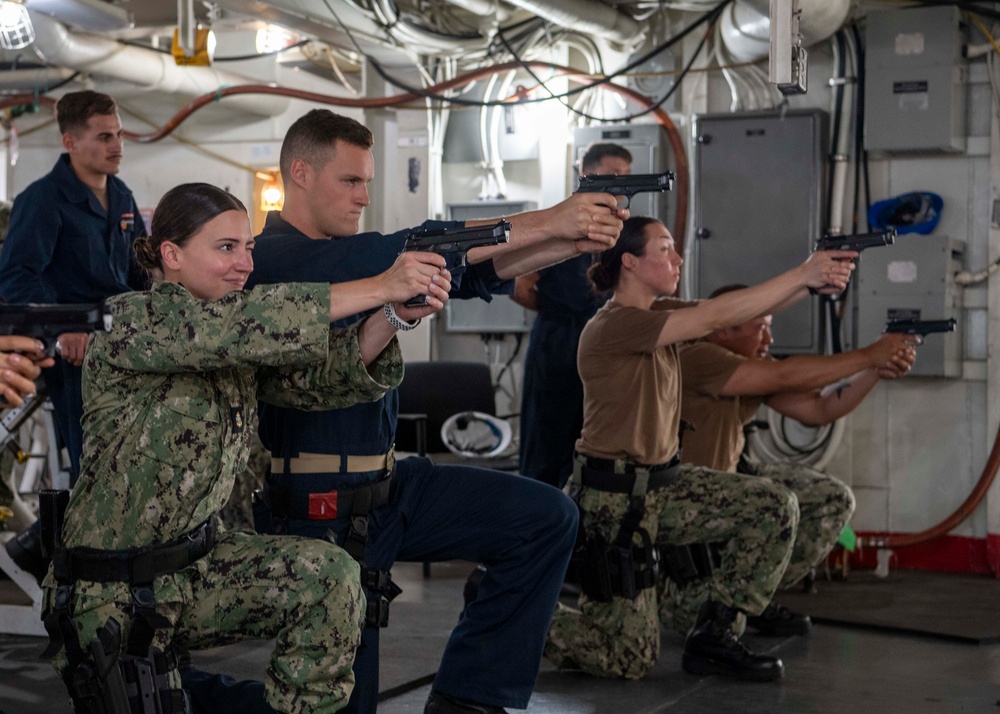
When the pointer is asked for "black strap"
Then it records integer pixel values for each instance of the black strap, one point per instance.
(358, 503)
(134, 565)
(288, 503)
(610, 482)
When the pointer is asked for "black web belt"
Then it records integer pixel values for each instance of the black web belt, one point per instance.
(288, 503)
(619, 477)
(134, 565)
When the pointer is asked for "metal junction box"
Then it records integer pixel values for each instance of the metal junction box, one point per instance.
(758, 207)
(914, 279)
(648, 145)
(915, 81)
(501, 314)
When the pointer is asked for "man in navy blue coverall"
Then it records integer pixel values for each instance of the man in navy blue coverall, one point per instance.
(552, 397)
(70, 241)
(521, 529)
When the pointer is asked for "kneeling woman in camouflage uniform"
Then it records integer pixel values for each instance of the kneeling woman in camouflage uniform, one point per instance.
(168, 395)
(627, 482)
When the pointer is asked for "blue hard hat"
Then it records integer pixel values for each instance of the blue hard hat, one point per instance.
(916, 212)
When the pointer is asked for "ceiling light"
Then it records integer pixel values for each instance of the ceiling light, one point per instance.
(272, 197)
(16, 31)
(272, 39)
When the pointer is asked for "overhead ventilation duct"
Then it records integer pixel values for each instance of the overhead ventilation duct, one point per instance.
(154, 71)
(586, 16)
(746, 25)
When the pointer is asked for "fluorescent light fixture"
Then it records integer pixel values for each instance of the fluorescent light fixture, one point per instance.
(16, 31)
(94, 15)
(271, 39)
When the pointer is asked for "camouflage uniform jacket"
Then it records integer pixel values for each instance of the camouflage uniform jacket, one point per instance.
(170, 391)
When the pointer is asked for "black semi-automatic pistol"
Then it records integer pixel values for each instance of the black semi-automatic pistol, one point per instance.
(46, 322)
(454, 244)
(626, 186)
(922, 328)
(857, 241)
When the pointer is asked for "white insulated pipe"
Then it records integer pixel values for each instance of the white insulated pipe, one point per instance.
(746, 25)
(154, 71)
(587, 16)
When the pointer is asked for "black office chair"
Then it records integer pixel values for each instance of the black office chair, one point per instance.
(432, 392)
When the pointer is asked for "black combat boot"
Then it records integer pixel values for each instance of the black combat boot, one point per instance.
(440, 704)
(779, 621)
(25, 549)
(712, 648)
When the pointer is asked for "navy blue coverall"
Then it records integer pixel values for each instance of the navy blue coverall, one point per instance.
(552, 398)
(63, 247)
(521, 529)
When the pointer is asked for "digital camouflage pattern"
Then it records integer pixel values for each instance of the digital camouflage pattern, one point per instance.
(237, 514)
(303, 593)
(825, 507)
(755, 519)
(170, 394)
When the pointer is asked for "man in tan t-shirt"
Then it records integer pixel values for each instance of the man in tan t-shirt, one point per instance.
(726, 377)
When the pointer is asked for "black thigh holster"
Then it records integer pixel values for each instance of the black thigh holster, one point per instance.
(622, 567)
(112, 677)
(686, 563)
(112, 681)
(610, 569)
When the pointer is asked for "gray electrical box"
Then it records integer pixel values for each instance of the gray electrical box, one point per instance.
(501, 314)
(915, 80)
(758, 207)
(648, 145)
(913, 279)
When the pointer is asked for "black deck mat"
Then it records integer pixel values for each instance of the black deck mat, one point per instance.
(956, 607)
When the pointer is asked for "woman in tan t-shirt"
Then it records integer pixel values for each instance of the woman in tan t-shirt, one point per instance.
(631, 379)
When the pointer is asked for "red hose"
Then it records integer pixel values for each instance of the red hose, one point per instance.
(901, 540)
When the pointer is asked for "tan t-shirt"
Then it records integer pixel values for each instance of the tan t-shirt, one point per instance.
(717, 439)
(631, 387)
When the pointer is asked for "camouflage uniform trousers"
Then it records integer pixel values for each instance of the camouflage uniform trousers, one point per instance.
(302, 592)
(825, 507)
(755, 519)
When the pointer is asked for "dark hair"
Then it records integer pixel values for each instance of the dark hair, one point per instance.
(607, 267)
(595, 153)
(74, 110)
(313, 135)
(181, 213)
(731, 288)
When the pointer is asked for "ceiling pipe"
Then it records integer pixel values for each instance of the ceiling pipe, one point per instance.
(26, 80)
(746, 25)
(586, 16)
(153, 71)
(485, 8)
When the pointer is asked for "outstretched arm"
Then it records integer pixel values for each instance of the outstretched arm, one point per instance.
(822, 407)
(583, 223)
(760, 377)
(413, 273)
(821, 269)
